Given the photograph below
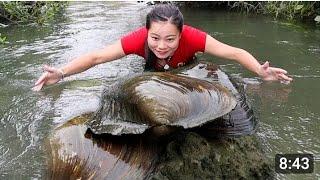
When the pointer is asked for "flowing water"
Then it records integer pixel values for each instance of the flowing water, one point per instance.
(289, 116)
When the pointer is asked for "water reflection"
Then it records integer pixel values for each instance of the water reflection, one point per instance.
(269, 92)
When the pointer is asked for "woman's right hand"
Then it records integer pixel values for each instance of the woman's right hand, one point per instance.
(51, 75)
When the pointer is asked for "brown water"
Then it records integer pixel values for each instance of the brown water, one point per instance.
(289, 116)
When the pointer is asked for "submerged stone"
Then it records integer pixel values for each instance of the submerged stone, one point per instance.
(191, 156)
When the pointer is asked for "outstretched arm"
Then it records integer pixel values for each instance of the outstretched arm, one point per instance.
(219, 49)
(53, 75)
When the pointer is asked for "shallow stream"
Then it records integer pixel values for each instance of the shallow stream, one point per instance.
(289, 115)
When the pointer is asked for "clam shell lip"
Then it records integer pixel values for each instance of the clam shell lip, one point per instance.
(76, 153)
(154, 99)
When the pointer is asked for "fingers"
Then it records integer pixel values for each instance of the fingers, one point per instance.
(265, 65)
(275, 74)
(281, 74)
(45, 75)
(283, 77)
(50, 76)
(41, 79)
(38, 87)
(49, 69)
(279, 71)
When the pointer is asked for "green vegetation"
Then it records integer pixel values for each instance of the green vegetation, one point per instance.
(294, 10)
(26, 12)
(306, 11)
(2, 39)
(39, 12)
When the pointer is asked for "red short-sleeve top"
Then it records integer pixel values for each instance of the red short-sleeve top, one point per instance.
(192, 40)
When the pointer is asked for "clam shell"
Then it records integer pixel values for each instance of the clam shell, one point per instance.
(241, 120)
(156, 99)
(201, 97)
(76, 153)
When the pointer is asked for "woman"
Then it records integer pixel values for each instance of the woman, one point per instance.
(165, 43)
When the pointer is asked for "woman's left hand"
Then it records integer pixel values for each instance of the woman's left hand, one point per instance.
(268, 73)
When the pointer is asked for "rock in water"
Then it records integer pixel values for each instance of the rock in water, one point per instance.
(191, 156)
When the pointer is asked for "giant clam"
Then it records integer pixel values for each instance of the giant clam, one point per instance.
(200, 98)
(155, 99)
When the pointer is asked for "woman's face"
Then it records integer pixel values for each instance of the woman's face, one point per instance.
(163, 39)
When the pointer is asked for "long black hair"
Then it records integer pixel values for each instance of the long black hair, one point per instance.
(161, 12)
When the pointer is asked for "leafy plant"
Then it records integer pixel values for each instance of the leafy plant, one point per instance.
(291, 10)
(30, 11)
(247, 7)
(2, 39)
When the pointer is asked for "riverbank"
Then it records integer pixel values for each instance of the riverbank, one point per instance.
(293, 11)
(23, 12)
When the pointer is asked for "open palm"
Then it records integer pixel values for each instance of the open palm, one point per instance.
(273, 74)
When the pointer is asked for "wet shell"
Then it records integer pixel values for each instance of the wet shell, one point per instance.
(155, 99)
(241, 120)
(76, 153)
(202, 97)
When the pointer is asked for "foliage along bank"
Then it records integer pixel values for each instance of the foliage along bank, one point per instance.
(22, 12)
(305, 11)
(26, 12)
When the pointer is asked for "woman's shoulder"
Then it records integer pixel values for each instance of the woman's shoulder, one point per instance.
(189, 32)
(194, 38)
(190, 29)
(140, 31)
(137, 34)
(133, 42)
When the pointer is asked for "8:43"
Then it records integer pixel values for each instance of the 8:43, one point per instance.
(294, 163)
